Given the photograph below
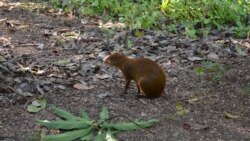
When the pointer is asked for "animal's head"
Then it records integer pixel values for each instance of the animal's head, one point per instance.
(115, 59)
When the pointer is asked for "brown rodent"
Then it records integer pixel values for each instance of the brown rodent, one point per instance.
(148, 75)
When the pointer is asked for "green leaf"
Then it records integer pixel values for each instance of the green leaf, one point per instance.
(62, 124)
(212, 67)
(96, 3)
(115, 132)
(164, 5)
(190, 32)
(104, 114)
(100, 136)
(180, 109)
(37, 105)
(207, 21)
(129, 44)
(176, 135)
(88, 137)
(139, 21)
(110, 136)
(240, 52)
(126, 126)
(64, 114)
(68, 136)
(200, 70)
(85, 115)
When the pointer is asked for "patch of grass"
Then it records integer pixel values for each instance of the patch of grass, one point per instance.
(214, 71)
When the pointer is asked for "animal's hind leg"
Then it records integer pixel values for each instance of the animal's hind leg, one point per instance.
(148, 87)
(143, 86)
(138, 88)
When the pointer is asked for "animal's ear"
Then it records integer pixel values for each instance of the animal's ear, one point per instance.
(114, 52)
(106, 60)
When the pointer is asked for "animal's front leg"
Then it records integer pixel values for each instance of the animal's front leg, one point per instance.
(126, 85)
(138, 88)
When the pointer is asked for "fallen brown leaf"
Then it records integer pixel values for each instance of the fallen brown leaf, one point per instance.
(81, 86)
(194, 126)
(193, 100)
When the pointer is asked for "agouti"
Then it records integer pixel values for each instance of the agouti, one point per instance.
(148, 75)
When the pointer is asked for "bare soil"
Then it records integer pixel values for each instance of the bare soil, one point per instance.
(44, 54)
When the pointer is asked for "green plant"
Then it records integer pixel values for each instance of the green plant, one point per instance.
(37, 105)
(172, 28)
(206, 14)
(84, 128)
(144, 15)
(194, 17)
(136, 14)
(241, 30)
(215, 71)
(245, 91)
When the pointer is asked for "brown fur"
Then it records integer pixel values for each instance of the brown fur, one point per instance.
(148, 75)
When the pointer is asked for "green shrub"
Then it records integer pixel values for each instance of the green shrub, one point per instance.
(207, 14)
(195, 18)
(136, 14)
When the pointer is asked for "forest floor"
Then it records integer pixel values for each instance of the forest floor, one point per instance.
(44, 53)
